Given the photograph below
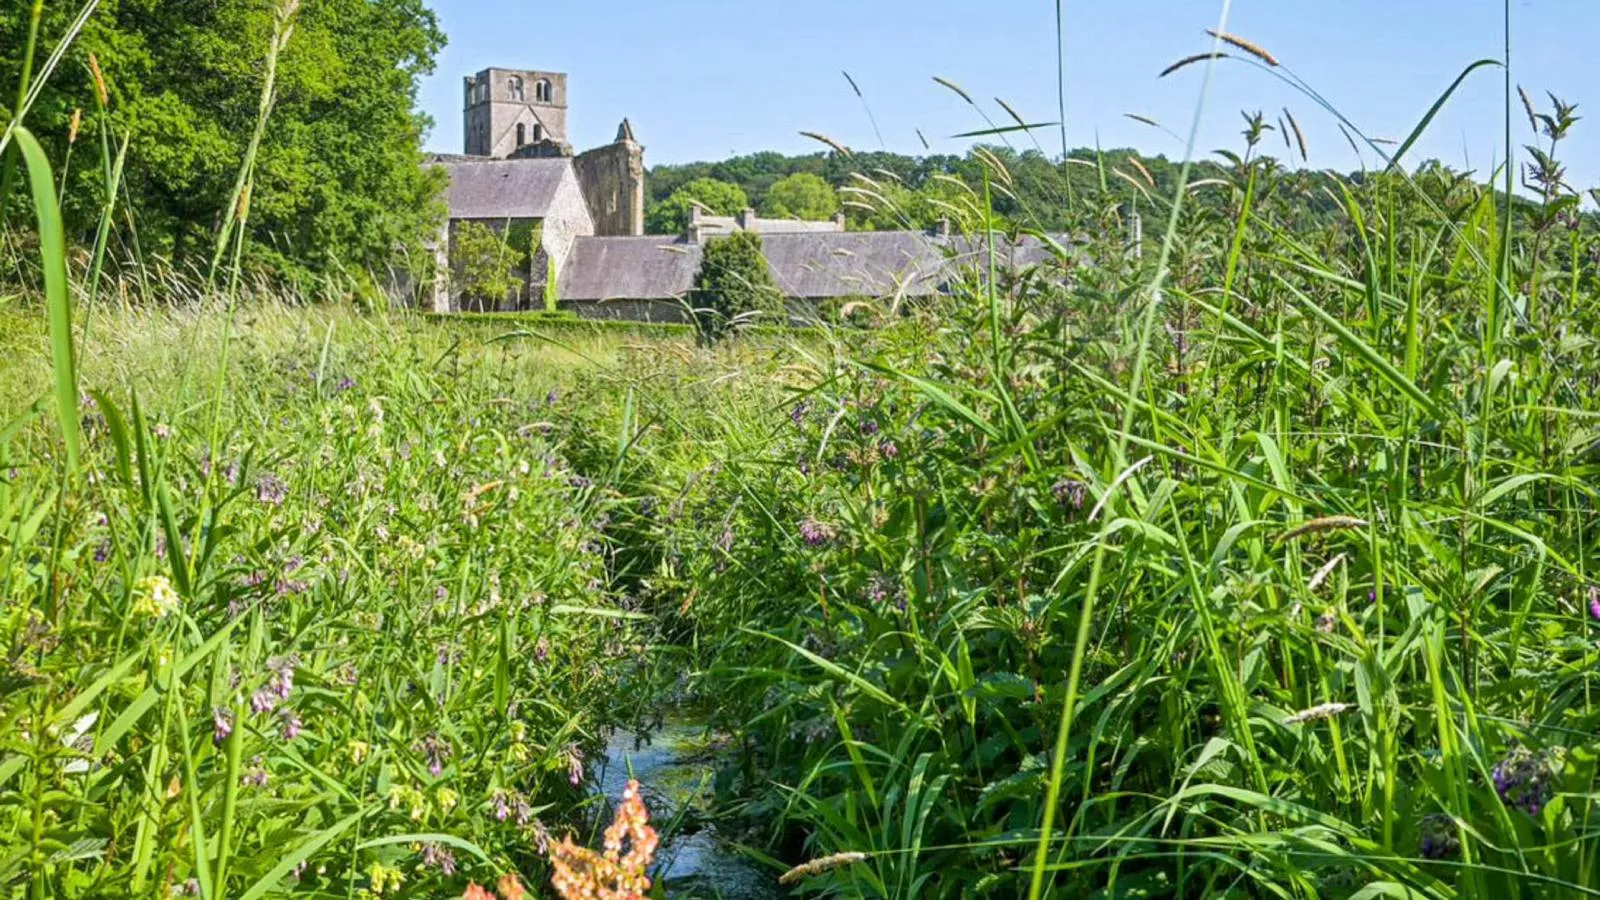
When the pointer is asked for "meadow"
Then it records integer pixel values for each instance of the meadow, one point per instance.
(1253, 560)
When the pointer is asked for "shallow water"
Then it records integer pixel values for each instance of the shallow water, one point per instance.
(675, 772)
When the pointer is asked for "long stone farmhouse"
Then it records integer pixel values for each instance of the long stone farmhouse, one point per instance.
(587, 211)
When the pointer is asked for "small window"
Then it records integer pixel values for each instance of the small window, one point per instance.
(538, 133)
(522, 134)
(515, 85)
(542, 92)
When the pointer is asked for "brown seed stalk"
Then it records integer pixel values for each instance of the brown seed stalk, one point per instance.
(1191, 60)
(1326, 523)
(817, 866)
(1249, 47)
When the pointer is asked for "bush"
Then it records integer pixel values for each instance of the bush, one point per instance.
(733, 286)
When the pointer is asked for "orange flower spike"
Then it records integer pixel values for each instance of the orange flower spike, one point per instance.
(510, 887)
(476, 893)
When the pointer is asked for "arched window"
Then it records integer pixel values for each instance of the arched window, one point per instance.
(515, 84)
(522, 134)
(542, 92)
(538, 133)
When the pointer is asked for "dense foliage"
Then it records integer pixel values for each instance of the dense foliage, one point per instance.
(1256, 558)
(338, 178)
(800, 196)
(670, 215)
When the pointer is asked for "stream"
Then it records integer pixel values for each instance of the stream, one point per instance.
(674, 768)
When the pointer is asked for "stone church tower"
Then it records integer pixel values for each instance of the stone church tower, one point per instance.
(508, 110)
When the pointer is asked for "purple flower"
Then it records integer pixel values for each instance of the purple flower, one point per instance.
(502, 806)
(799, 413)
(437, 857)
(271, 490)
(263, 701)
(580, 483)
(551, 398)
(281, 682)
(1070, 493)
(102, 552)
(1594, 602)
(289, 724)
(346, 383)
(869, 427)
(436, 750)
(889, 450)
(255, 775)
(816, 534)
(1523, 780)
(221, 725)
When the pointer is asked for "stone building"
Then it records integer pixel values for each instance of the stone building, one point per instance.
(585, 213)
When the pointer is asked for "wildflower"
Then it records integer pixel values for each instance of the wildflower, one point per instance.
(446, 799)
(476, 893)
(890, 450)
(1594, 602)
(815, 533)
(359, 751)
(1070, 493)
(574, 764)
(798, 414)
(263, 701)
(581, 872)
(154, 597)
(1327, 622)
(436, 750)
(437, 857)
(255, 775)
(289, 724)
(551, 398)
(502, 806)
(346, 383)
(1523, 780)
(383, 879)
(510, 887)
(271, 491)
(1315, 713)
(816, 867)
(869, 427)
(102, 552)
(221, 725)
(1439, 840)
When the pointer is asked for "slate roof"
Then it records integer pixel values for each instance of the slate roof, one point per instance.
(805, 266)
(502, 188)
(652, 267)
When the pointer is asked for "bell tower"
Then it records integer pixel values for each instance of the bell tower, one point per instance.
(506, 110)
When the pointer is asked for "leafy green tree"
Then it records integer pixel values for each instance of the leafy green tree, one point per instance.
(671, 215)
(801, 196)
(488, 268)
(733, 284)
(338, 183)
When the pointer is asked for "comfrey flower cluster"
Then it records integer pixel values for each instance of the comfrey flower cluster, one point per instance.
(816, 534)
(1523, 779)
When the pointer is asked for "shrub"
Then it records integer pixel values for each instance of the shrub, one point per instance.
(733, 285)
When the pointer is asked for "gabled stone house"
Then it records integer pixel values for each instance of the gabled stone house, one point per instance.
(587, 214)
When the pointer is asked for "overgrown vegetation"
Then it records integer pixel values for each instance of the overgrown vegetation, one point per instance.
(1254, 560)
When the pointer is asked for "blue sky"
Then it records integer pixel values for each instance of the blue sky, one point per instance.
(713, 78)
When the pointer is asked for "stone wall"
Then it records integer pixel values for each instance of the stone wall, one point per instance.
(612, 178)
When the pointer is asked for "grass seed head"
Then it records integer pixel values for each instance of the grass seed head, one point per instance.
(1249, 47)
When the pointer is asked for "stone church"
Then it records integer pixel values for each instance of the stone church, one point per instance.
(586, 211)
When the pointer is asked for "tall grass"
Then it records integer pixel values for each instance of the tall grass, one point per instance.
(1261, 565)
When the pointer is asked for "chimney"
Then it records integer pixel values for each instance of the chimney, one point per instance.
(692, 232)
(943, 228)
(838, 222)
(747, 220)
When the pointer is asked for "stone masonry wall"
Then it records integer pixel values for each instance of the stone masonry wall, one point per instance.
(613, 184)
